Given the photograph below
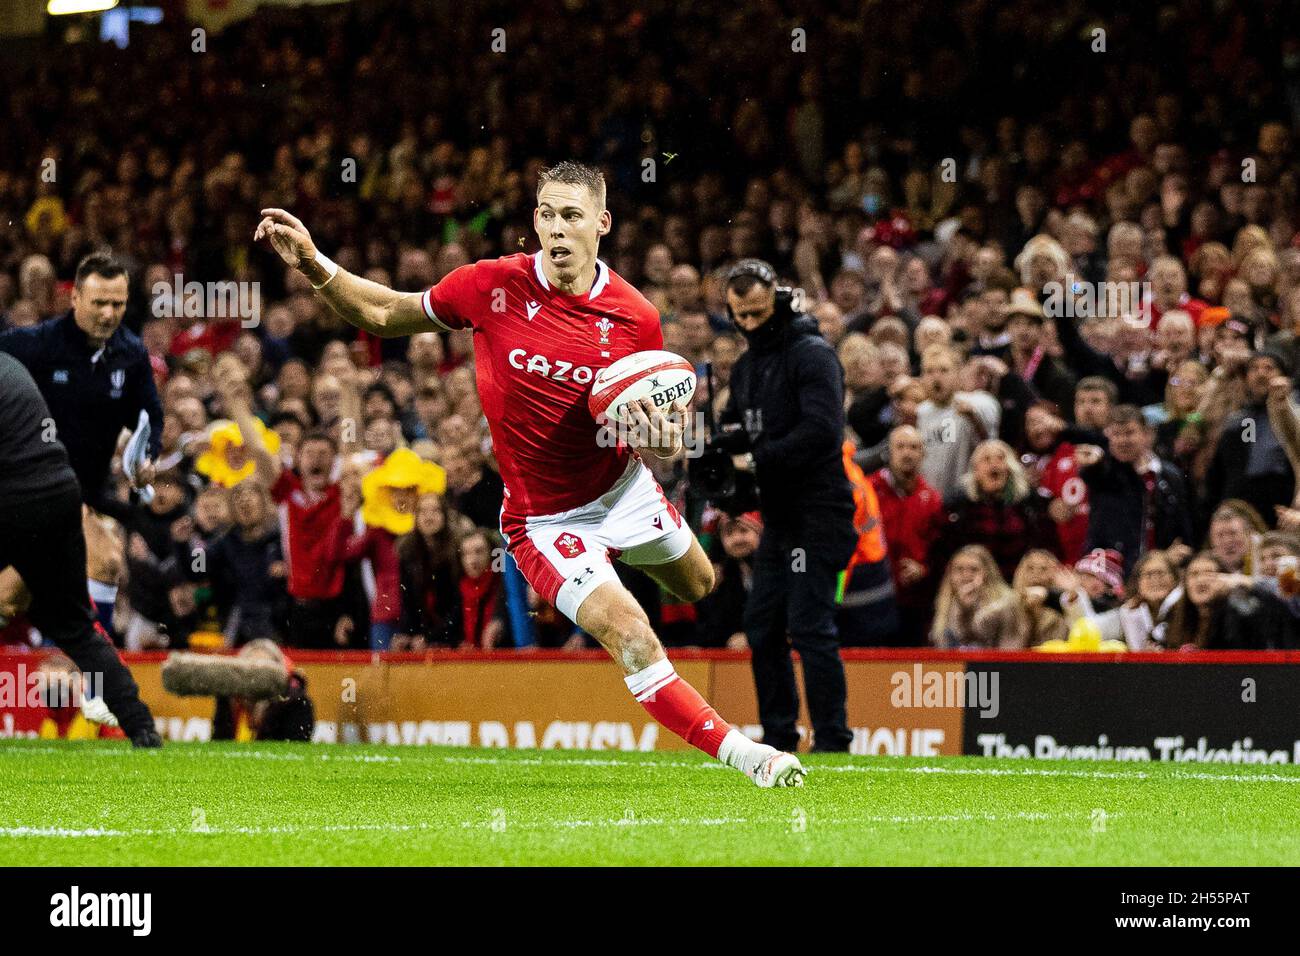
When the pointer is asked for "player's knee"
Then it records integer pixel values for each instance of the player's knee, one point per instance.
(699, 583)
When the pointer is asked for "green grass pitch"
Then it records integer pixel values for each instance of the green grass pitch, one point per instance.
(102, 804)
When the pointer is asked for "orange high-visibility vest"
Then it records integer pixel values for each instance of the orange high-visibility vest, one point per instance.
(866, 514)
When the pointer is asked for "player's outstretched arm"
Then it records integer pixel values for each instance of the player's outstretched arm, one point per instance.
(368, 305)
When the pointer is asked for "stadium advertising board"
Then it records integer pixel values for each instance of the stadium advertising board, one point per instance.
(1192, 713)
(1013, 706)
(532, 703)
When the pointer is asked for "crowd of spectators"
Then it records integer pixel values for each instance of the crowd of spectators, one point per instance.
(966, 194)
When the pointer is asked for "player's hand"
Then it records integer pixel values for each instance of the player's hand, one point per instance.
(288, 236)
(738, 642)
(655, 430)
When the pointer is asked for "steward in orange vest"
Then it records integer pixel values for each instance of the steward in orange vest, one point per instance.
(867, 615)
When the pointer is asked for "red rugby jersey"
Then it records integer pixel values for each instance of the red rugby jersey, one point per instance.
(1058, 475)
(537, 351)
(309, 528)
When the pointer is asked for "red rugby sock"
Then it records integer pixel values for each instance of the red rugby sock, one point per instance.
(678, 706)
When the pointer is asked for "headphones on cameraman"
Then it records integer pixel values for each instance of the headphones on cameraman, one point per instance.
(766, 275)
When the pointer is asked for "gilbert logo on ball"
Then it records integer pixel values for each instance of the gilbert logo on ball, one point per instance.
(662, 377)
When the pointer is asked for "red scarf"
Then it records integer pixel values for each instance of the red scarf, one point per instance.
(478, 598)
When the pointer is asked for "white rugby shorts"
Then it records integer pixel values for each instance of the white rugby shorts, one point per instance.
(566, 556)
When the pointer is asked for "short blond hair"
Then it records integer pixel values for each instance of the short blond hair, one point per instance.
(575, 174)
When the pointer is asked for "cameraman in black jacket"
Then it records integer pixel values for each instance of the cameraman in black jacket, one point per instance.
(787, 397)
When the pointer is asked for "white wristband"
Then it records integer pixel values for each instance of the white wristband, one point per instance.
(326, 263)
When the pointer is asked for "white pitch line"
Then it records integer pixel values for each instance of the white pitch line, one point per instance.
(290, 829)
(61, 832)
(812, 820)
(1085, 774)
(928, 769)
(29, 832)
(417, 757)
(238, 754)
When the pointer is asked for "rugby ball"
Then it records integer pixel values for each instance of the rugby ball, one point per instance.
(662, 377)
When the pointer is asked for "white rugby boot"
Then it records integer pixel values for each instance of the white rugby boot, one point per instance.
(96, 711)
(766, 766)
(778, 769)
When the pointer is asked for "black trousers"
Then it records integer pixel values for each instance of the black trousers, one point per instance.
(792, 603)
(311, 623)
(43, 541)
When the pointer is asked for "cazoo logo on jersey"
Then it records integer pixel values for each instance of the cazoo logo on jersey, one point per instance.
(556, 371)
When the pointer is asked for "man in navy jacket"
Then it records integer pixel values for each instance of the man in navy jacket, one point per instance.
(94, 375)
